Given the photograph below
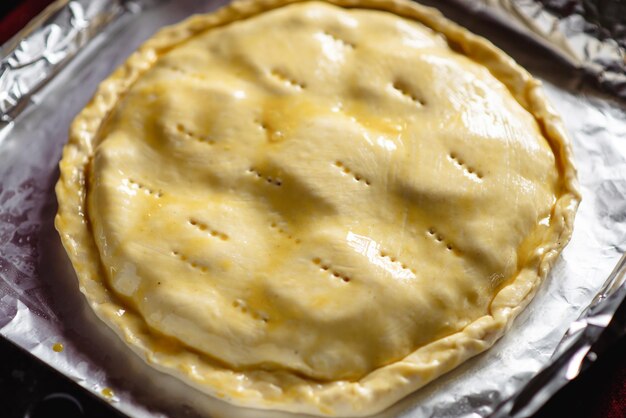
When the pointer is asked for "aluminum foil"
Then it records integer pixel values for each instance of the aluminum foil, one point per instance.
(61, 33)
(40, 304)
(590, 35)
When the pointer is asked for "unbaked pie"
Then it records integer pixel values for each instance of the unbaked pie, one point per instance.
(314, 207)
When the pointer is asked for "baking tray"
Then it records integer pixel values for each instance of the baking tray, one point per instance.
(52, 74)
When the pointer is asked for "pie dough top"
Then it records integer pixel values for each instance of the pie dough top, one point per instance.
(314, 208)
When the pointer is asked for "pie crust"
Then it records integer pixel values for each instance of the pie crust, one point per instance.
(314, 207)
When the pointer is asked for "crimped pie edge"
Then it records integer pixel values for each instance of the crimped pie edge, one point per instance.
(384, 386)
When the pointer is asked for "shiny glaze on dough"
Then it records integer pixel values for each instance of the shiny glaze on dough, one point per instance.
(309, 196)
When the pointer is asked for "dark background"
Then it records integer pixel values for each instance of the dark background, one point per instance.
(30, 389)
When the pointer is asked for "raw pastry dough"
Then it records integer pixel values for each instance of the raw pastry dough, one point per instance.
(314, 207)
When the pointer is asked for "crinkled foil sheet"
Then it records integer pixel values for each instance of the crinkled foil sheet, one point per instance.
(48, 76)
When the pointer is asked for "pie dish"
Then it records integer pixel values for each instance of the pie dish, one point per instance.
(314, 207)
